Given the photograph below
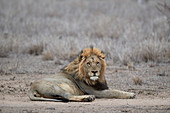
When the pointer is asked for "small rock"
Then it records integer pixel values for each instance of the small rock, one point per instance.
(162, 74)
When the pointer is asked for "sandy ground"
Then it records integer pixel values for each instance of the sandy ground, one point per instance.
(66, 26)
(152, 94)
(99, 105)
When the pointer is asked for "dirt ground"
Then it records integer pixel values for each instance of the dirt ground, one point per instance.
(126, 30)
(152, 91)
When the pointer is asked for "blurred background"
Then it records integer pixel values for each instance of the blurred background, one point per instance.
(36, 31)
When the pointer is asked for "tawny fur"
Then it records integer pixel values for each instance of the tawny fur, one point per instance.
(76, 66)
(74, 82)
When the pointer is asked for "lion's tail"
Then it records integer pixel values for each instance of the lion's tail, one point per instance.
(34, 98)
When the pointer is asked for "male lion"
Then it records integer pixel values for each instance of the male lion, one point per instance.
(82, 80)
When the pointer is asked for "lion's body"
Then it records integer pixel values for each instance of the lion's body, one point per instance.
(82, 80)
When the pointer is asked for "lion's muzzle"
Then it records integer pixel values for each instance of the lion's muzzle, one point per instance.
(94, 75)
(94, 78)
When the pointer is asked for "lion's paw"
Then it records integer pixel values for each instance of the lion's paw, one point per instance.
(88, 98)
(132, 95)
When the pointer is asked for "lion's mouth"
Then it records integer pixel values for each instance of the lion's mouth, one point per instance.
(94, 78)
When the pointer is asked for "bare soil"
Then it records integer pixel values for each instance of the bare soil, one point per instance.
(56, 30)
(152, 94)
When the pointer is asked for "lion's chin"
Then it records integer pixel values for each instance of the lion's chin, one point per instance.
(94, 78)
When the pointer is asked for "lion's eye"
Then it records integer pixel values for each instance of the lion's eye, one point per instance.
(88, 63)
(97, 63)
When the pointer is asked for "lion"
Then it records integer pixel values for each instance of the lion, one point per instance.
(82, 80)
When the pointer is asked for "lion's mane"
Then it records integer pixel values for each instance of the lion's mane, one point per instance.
(75, 68)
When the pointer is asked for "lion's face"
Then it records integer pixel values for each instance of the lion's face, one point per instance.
(92, 67)
(89, 66)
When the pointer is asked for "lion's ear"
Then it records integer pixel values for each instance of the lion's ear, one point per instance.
(103, 56)
(80, 55)
(102, 52)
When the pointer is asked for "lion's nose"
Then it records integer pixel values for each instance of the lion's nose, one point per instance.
(94, 72)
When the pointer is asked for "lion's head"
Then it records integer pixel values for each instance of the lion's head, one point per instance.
(88, 66)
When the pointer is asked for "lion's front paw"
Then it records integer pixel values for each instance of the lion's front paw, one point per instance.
(132, 95)
(88, 98)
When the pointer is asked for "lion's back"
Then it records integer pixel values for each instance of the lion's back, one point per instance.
(59, 78)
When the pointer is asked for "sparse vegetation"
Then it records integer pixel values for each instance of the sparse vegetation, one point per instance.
(124, 34)
(47, 55)
(36, 49)
(137, 81)
(3, 53)
(164, 8)
(131, 66)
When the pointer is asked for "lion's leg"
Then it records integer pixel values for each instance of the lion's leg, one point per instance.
(46, 90)
(65, 97)
(110, 93)
(114, 94)
(74, 94)
(33, 95)
(82, 98)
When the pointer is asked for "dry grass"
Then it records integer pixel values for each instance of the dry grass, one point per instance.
(3, 53)
(137, 81)
(164, 8)
(47, 55)
(131, 66)
(36, 49)
(8, 45)
(125, 30)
